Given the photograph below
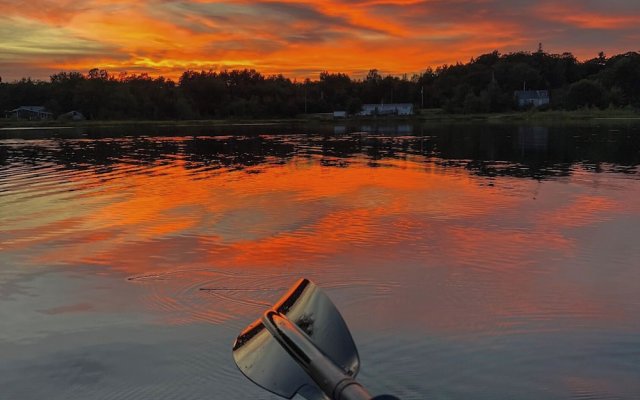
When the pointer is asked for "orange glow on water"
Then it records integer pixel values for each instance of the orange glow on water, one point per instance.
(178, 229)
(453, 270)
(369, 205)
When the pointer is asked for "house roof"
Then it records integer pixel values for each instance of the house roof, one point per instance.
(34, 109)
(390, 105)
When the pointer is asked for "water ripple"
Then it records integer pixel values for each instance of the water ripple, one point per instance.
(466, 265)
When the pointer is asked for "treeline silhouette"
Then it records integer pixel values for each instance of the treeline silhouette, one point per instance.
(484, 84)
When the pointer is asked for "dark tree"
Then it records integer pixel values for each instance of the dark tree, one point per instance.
(485, 84)
(586, 93)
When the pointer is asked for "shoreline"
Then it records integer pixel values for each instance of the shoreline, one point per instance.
(426, 116)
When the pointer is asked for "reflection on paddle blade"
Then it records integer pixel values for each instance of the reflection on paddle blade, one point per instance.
(263, 360)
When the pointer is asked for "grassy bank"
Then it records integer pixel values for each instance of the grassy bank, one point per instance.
(120, 123)
(428, 115)
(534, 115)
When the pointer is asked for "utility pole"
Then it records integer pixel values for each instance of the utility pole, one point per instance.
(305, 98)
(422, 96)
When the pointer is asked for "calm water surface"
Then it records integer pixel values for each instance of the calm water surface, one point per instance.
(470, 262)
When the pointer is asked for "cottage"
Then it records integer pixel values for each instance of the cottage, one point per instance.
(535, 98)
(30, 113)
(72, 116)
(387, 109)
(339, 114)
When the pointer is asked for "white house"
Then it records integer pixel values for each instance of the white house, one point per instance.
(30, 113)
(534, 98)
(339, 114)
(387, 109)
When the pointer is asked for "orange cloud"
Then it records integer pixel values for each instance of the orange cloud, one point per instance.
(297, 38)
(589, 19)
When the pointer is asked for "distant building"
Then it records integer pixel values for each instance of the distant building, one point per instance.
(30, 113)
(387, 109)
(339, 114)
(72, 116)
(535, 98)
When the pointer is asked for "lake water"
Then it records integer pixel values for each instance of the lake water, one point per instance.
(469, 261)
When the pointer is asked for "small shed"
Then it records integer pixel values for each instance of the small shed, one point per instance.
(535, 98)
(31, 113)
(387, 109)
(339, 114)
(72, 116)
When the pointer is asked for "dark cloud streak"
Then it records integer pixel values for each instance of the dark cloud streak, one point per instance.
(167, 36)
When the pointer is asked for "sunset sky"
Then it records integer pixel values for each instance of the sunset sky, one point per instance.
(298, 38)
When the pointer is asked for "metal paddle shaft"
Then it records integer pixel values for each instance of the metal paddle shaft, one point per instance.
(327, 375)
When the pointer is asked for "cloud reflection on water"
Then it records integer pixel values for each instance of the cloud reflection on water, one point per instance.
(187, 208)
(466, 261)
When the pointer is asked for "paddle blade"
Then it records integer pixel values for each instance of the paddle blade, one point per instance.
(262, 358)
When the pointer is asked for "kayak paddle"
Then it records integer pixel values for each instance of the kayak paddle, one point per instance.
(302, 346)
